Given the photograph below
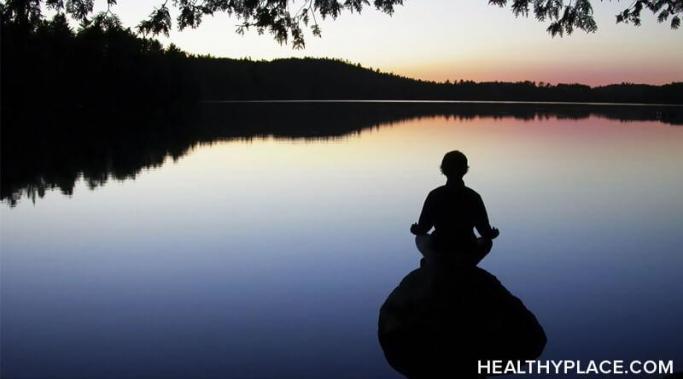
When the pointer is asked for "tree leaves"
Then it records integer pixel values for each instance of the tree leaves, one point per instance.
(565, 16)
(159, 21)
(286, 20)
(663, 9)
(106, 21)
(79, 9)
(675, 22)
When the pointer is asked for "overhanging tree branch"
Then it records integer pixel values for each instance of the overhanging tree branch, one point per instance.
(276, 18)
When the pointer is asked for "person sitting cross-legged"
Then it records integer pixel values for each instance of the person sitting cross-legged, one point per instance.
(454, 211)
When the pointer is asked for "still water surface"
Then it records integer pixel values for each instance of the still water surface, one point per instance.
(270, 257)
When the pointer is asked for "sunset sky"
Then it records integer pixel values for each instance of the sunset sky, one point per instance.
(446, 39)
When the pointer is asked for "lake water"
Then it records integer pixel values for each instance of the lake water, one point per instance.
(269, 256)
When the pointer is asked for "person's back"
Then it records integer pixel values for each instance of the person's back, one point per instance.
(454, 211)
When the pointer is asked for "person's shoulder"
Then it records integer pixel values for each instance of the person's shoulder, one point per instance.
(437, 192)
(472, 192)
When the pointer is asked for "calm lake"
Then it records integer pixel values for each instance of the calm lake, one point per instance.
(265, 250)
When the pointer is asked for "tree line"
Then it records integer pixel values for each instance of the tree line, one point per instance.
(49, 66)
(314, 79)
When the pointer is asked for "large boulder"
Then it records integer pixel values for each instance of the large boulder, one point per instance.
(442, 318)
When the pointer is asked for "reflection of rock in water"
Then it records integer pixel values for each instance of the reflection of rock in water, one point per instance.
(439, 322)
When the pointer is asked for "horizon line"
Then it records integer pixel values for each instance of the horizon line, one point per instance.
(447, 81)
(416, 101)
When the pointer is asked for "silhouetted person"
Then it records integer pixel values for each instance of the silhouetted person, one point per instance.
(454, 211)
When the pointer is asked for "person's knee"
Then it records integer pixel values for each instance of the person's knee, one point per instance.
(485, 244)
(423, 243)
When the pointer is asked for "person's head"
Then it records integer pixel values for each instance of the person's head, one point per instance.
(454, 164)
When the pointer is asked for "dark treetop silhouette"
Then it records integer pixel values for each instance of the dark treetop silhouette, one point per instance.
(286, 19)
(106, 68)
(454, 211)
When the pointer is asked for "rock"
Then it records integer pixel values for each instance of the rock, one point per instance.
(442, 318)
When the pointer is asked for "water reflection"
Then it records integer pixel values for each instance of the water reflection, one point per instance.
(270, 258)
(442, 318)
(47, 151)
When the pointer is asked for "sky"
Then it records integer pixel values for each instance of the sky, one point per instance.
(452, 40)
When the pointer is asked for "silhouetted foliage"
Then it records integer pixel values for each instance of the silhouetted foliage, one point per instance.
(100, 102)
(313, 79)
(287, 19)
(102, 65)
(565, 16)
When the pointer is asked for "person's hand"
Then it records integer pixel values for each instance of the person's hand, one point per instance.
(414, 229)
(494, 233)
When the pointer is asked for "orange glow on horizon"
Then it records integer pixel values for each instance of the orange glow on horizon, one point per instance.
(483, 71)
(444, 40)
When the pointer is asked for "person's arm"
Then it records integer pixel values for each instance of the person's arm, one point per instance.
(482, 221)
(426, 221)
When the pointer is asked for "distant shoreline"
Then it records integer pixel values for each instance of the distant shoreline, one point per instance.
(383, 101)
